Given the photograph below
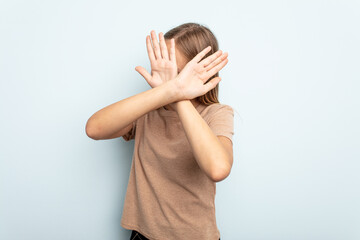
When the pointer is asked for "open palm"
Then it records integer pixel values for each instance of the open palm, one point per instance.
(191, 80)
(163, 64)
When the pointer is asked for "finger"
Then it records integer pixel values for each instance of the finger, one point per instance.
(143, 73)
(201, 54)
(150, 49)
(211, 58)
(155, 45)
(172, 50)
(217, 68)
(164, 51)
(216, 62)
(211, 84)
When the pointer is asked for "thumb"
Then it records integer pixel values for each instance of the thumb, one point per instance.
(211, 84)
(143, 73)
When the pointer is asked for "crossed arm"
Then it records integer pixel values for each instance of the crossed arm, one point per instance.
(214, 154)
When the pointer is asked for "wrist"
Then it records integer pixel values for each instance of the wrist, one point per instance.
(170, 93)
(175, 90)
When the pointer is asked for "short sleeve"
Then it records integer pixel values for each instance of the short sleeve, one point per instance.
(221, 121)
(131, 134)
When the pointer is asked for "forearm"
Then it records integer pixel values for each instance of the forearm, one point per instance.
(208, 150)
(120, 114)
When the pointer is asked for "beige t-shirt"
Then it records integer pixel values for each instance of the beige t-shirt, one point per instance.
(168, 195)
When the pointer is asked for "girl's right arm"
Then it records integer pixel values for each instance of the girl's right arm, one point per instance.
(116, 119)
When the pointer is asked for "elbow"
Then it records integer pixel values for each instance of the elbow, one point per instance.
(220, 173)
(90, 130)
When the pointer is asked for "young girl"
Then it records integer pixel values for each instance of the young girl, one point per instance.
(183, 137)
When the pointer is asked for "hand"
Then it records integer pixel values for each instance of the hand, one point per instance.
(190, 81)
(163, 66)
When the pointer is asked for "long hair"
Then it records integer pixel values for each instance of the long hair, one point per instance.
(190, 39)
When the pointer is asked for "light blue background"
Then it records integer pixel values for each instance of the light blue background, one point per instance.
(292, 78)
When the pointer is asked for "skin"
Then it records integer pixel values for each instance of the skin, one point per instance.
(177, 92)
(181, 61)
(166, 62)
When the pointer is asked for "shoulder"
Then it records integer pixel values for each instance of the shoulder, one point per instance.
(216, 110)
(218, 107)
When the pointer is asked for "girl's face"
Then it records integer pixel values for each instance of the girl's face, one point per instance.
(181, 61)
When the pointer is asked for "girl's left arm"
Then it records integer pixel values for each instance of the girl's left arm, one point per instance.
(214, 154)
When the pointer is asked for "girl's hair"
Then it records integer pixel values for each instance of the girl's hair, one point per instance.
(190, 39)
